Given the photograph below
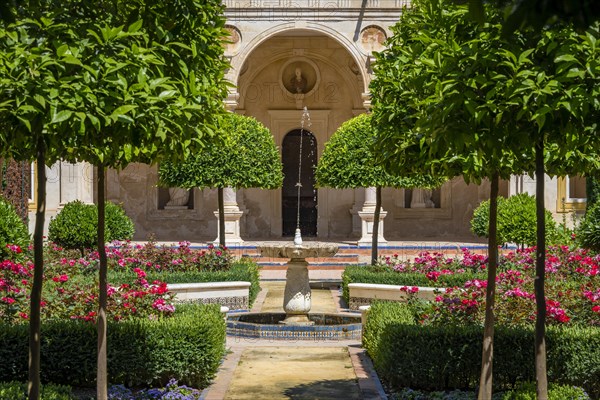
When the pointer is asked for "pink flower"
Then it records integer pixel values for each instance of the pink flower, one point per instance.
(14, 248)
(61, 278)
(139, 272)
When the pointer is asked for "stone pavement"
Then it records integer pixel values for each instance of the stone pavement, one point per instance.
(277, 369)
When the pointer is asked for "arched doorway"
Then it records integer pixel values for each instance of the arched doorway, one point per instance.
(290, 153)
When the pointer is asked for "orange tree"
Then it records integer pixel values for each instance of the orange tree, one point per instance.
(246, 158)
(348, 161)
(456, 98)
(108, 82)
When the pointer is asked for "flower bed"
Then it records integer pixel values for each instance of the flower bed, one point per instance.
(138, 277)
(572, 286)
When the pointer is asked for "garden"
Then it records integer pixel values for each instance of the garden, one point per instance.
(451, 326)
(157, 346)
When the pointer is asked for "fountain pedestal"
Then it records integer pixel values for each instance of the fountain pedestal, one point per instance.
(296, 297)
(297, 294)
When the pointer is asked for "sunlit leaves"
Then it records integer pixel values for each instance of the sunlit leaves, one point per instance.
(246, 157)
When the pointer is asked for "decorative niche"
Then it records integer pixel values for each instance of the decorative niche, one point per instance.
(422, 203)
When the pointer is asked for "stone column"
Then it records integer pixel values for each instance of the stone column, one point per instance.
(232, 218)
(367, 216)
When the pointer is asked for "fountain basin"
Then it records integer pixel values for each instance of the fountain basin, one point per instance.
(268, 326)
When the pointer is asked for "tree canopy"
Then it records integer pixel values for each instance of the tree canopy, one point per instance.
(455, 97)
(247, 158)
(348, 161)
(108, 82)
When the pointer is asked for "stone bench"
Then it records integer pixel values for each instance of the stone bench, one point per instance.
(361, 294)
(234, 295)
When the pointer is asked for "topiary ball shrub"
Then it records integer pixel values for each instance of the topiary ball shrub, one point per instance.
(516, 220)
(76, 226)
(12, 231)
(118, 225)
(588, 232)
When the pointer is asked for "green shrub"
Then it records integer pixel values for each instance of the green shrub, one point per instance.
(377, 274)
(12, 230)
(118, 225)
(188, 347)
(516, 220)
(453, 353)
(76, 225)
(18, 391)
(588, 232)
(527, 391)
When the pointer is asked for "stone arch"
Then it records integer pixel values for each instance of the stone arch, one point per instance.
(247, 50)
(285, 54)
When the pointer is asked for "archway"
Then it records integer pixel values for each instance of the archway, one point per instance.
(290, 153)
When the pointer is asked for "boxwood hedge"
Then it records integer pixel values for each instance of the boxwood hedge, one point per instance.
(188, 347)
(449, 357)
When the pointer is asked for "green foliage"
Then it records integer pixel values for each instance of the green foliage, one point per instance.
(248, 158)
(374, 274)
(516, 220)
(588, 232)
(527, 391)
(18, 391)
(12, 230)
(348, 161)
(118, 225)
(188, 347)
(380, 315)
(448, 96)
(76, 225)
(453, 356)
(592, 190)
(118, 85)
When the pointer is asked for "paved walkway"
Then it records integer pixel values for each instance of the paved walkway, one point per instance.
(276, 369)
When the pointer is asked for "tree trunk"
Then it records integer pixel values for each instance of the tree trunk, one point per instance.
(540, 272)
(487, 355)
(33, 387)
(221, 217)
(376, 225)
(101, 372)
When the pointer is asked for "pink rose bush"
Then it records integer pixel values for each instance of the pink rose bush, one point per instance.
(68, 295)
(572, 287)
(150, 257)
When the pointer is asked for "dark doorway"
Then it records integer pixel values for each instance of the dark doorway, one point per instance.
(290, 153)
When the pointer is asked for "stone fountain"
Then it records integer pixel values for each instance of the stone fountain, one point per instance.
(296, 297)
(297, 322)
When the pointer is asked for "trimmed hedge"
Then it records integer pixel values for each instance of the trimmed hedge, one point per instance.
(244, 270)
(188, 347)
(449, 357)
(369, 274)
(18, 391)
